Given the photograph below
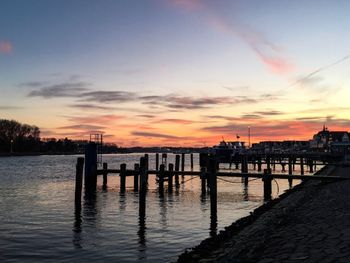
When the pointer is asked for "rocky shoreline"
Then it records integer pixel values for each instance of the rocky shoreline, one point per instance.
(260, 223)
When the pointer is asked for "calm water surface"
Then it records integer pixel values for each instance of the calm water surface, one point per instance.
(38, 221)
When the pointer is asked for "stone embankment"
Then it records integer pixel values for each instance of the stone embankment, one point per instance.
(310, 223)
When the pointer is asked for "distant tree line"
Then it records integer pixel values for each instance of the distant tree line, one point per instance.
(22, 137)
(16, 137)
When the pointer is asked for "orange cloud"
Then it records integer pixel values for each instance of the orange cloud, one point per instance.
(5, 47)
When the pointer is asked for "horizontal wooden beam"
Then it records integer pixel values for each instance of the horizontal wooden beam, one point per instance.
(229, 174)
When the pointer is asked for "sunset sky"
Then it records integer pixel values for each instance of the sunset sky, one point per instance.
(176, 72)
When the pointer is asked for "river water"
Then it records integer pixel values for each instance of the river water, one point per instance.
(38, 221)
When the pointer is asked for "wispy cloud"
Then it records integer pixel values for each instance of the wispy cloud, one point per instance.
(181, 102)
(108, 96)
(69, 89)
(8, 107)
(101, 119)
(153, 135)
(310, 77)
(102, 99)
(5, 47)
(90, 107)
(266, 51)
(174, 121)
(82, 127)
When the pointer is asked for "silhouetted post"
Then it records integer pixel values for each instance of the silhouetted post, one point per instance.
(310, 162)
(122, 177)
(161, 178)
(268, 163)
(259, 164)
(143, 174)
(183, 163)
(79, 180)
(274, 164)
(164, 158)
(236, 164)
(245, 170)
(254, 163)
(136, 176)
(243, 164)
(104, 183)
(203, 176)
(147, 166)
(301, 165)
(143, 191)
(290, 171)
(170, 177)
(283, 166)
(90, 166)
(203, 159)
(267, 179)
(177, 168)
(157, 161)
(213, 195)
(294, 162)
(191, 155)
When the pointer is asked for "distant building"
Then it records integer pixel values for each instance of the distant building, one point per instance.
(331, 141)
(280, 146)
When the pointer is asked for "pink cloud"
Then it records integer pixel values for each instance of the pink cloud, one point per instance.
(278, 65)
(266, 51)
(5, 47)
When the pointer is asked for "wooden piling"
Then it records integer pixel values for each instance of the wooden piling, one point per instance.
(79, 180)
(213, 194)
(90, 167)
(143, 174)
(164, 158)
(191, 155)
(311, 166)
(267, 179)
(283, 166)
(243, 164)
(104, 183)
(236, 164)
(290, 171)
(183, 163)
(170, 177)
(157, 161)
(254, 163)
(203, 177)
(268, 166)
(136, 176)
(259, 164)
(294, 162)
(161, 178)
(147, 166)
(122, 177)
(177, 168)
(143, 191)
(301, 165)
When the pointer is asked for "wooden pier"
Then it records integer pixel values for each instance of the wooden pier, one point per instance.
(167, 174)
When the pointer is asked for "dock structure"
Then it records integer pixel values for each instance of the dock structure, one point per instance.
(208, 173)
